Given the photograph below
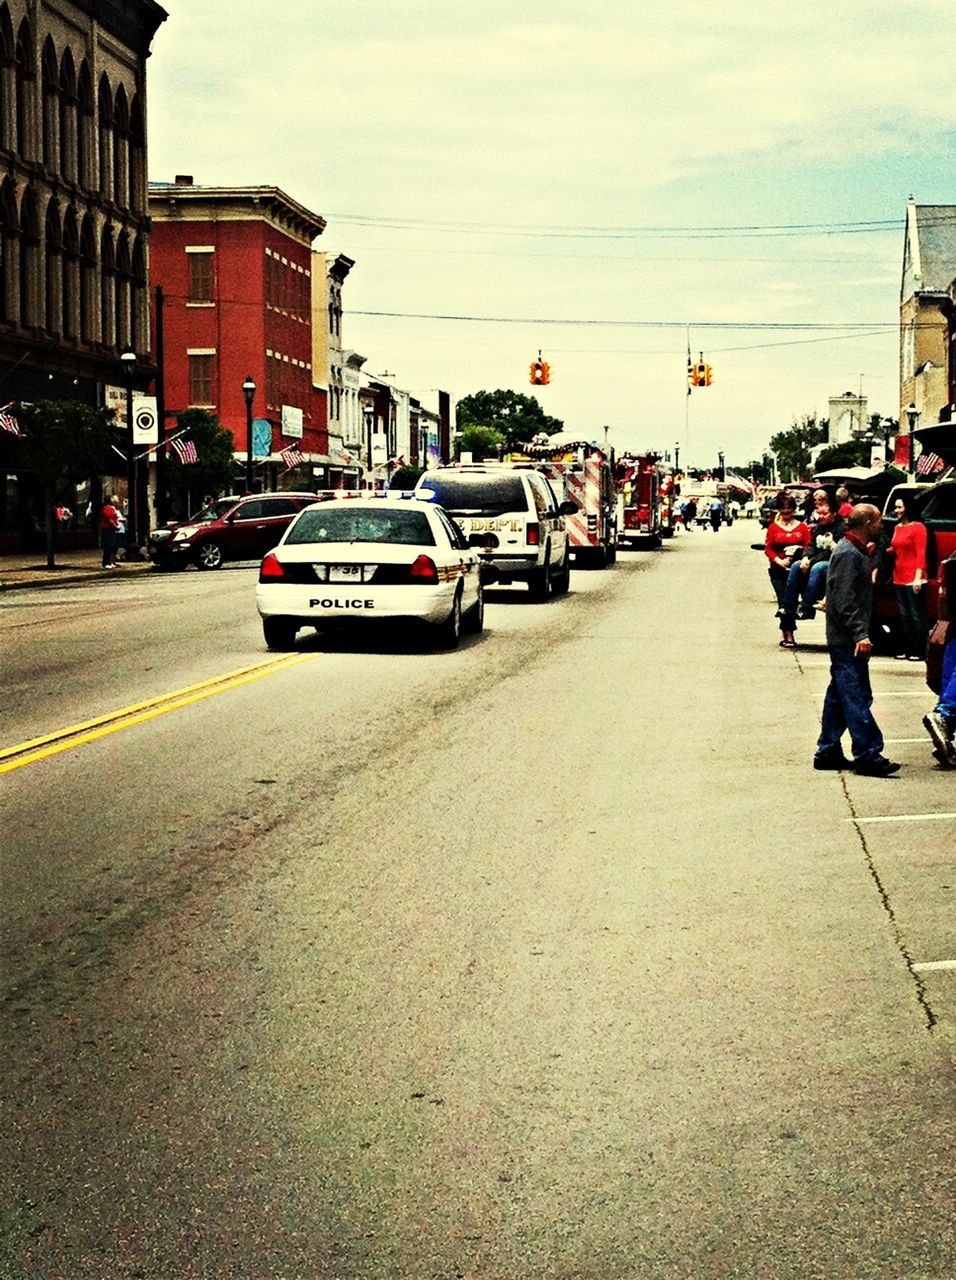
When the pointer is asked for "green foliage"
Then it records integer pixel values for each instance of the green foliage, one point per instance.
(65, 441)
(852, 453)
(792, 448)
(516, 418)
(404, 477)
(215, 470)
(481, 442)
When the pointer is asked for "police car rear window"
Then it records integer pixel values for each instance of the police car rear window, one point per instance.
(486, 495)
(334, 523)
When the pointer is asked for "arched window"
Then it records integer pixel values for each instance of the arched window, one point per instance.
(140, 307)
(107, 288)
(26, 74)
(121, 149)
(85, 132)
(29, 259)
(51, 106)
(68, 112)
(9, 246)
(137, 158)
(124, 270)
(105, 113)
(52, 276)
(8, 83)
(87, 281)
(70, 292)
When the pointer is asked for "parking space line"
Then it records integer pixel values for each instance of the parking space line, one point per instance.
(935, 966)
(906, 817)
(895, 742)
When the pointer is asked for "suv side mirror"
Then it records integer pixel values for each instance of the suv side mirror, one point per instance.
(568, 508)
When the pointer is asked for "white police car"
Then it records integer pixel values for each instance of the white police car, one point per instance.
(370, 560)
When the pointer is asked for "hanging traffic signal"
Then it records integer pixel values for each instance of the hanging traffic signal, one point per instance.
(545, 372)
(708, 376)
(540, 372)
(701, 376)
(535, 373)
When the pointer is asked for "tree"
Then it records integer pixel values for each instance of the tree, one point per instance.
(517, 418)
(65, 441)
(792, 448)
(215, 468)
(481, 442)
(852, 453)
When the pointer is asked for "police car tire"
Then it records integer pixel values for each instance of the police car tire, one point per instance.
(279, 633)
(475, 619)
(449, 631)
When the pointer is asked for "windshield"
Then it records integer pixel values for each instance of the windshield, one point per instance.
(214, 511)
(344, 523)
(465, 495)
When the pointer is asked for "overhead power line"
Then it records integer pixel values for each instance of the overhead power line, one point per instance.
(750, 325)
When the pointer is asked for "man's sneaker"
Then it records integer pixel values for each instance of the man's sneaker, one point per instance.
(878, 768)
(938, 728)
(831, 760)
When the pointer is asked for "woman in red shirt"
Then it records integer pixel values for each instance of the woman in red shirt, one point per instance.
(908, 549)
(786, 538)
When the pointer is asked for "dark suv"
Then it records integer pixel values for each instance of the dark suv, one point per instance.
(227, 529)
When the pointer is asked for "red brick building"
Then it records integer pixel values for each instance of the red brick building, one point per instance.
(235, 268)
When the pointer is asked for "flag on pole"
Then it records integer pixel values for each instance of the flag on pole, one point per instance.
(185, 451)
(292, 457)
(8, 422)
(928, 464)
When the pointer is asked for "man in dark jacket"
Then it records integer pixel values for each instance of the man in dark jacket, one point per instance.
(849, 699)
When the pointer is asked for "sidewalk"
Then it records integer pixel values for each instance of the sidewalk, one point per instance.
(19, 572)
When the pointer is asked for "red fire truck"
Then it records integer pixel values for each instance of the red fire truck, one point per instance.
(582, 473)
(642, 501)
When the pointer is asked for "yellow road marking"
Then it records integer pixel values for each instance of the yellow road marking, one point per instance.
(52, 744)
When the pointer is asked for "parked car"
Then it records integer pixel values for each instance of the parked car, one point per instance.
(228, 529)
(371, 560)
(513, 517)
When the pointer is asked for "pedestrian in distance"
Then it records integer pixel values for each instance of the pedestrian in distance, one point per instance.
(907, 550)
(715, 514)
(689, 513)
(849, 698)
(787, 536)
(109, 531)
(940, 724)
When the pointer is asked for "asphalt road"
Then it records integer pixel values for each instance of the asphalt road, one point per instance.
(549, 958)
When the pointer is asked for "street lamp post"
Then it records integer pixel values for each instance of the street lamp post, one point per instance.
(912, 417)
(249, 390)
(128, 359)
(677, 455)
(720, 459)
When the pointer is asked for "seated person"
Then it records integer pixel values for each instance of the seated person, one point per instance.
(808, 575)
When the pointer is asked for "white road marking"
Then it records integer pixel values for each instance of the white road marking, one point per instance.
(931, 966)
(906, 817)
(893, 742)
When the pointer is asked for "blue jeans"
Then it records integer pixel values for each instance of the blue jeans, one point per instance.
(947, 698)
(813, 583)
(847, 706)
(913, 613)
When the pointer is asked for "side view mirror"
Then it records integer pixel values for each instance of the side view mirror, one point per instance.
(568, 508)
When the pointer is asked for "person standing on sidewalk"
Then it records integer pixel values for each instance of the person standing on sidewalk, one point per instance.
(849, 698)
(908, 550)
(109, 532)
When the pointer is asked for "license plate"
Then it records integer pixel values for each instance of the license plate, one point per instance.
(346, 573)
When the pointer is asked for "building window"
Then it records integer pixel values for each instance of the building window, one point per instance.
(200, 275)
(201, 368)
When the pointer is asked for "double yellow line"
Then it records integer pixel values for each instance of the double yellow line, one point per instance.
(52, 744)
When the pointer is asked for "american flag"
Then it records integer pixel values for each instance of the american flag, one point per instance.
(8, 422)
(928, 464)
(185, 451)
(292, 457)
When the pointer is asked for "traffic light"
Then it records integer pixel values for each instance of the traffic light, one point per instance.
(701, 379)
(691, 374)
(535, 373)
(540, 372)
(707, 375)
(545, 369)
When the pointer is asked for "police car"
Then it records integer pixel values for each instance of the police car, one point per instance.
(370, 560)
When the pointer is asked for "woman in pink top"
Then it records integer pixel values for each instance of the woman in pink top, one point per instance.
(908, 549)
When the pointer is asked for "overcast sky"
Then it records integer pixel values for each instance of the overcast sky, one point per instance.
(546, 168)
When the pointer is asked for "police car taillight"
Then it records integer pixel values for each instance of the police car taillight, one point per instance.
(534, 535)
(271, 570)
(423, 570)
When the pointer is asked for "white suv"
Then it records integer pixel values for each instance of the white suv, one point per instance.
(514, 519)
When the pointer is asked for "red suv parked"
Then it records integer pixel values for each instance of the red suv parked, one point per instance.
(227, 529)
